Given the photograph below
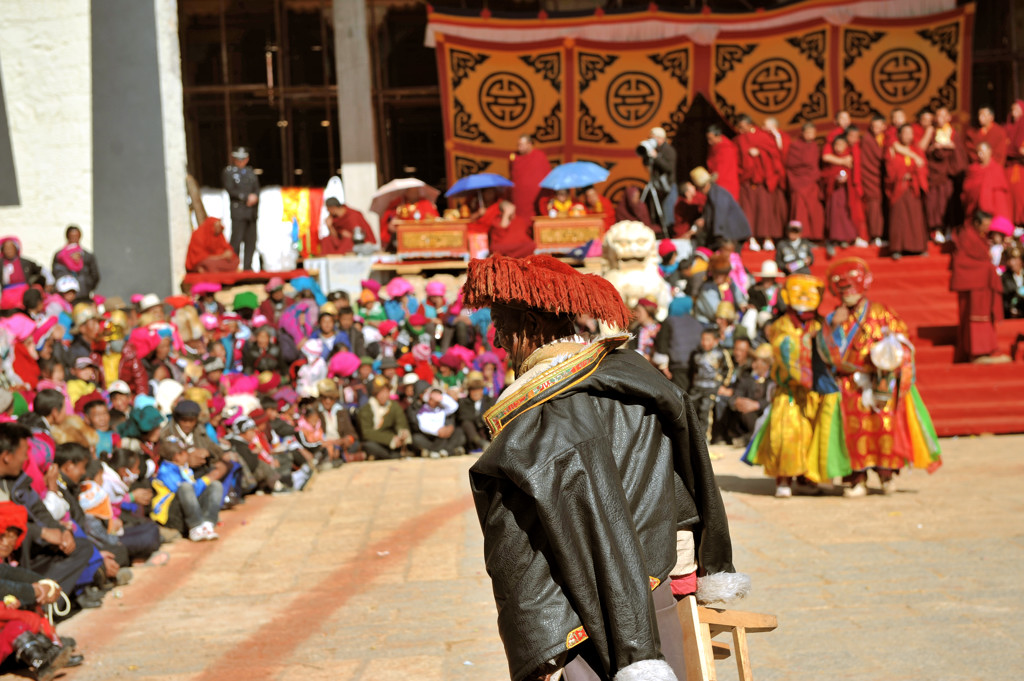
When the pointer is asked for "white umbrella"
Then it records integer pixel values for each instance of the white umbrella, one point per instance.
(386, 195)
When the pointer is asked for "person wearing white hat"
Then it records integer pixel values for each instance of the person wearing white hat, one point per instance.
(243, 188)
(67, 287)
(151, 309)
(120, 396)
(764, 295)
(662, 159)
(722, 219)
(793, 254)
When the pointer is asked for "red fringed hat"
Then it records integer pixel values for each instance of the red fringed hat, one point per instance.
(849, 273)
(544, 283)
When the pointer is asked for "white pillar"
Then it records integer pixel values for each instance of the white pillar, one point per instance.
(356, 120)
(175, 158)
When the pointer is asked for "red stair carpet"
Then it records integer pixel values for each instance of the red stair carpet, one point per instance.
(964, 399)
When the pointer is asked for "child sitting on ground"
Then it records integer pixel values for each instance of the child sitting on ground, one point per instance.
(174, 484)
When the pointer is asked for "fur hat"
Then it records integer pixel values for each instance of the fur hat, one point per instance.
(544, 283)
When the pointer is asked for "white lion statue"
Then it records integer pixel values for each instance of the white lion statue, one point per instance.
(631, 265)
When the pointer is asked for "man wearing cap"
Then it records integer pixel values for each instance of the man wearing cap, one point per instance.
(596, 461)
(722, 218)
(663, 175)
(86, 329)
(243, 190)
(205, 456)
(84, 380)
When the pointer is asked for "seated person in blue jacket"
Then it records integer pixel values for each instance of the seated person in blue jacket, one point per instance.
(200, 500)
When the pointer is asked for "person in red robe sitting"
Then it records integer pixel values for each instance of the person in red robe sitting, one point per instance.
(596, 204)
(872, 165)
(348, 228)
(209, 251)
(630, 207)
(837, 179)
(689, 210)
(724, 160)
(509, 233)
(1015, 160)
(803, 175)
(527, 167)
(985, 186)
(410, 206)
(946, 159)
(988, 132)
(760, 171)
(906, 179)
(975, 280)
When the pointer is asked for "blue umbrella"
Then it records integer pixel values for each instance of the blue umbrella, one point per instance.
(574, 175)
(477, 182)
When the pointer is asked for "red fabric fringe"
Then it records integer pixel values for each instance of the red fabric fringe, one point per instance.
(542, 282)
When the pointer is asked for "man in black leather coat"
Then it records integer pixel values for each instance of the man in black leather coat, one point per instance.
(596, 468)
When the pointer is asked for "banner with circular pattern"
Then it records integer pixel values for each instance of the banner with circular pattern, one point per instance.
(584, 99)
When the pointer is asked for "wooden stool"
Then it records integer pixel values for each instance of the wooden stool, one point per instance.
(701, 625)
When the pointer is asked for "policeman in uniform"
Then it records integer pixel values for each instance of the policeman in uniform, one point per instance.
(244, 191)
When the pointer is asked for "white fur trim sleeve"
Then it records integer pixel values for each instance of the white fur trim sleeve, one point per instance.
(647, 670)
(722, 587)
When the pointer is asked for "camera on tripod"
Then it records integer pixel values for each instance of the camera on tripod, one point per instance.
(646, 149)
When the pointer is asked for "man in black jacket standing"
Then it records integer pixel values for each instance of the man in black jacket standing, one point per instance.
(596, 473)
(243, 190)
(663, 176)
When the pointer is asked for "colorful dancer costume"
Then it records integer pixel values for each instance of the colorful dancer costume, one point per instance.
(783, 442)
(877, 418)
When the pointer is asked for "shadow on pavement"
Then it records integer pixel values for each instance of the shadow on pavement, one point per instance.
(733, 483)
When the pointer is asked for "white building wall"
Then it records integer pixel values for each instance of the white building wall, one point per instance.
(45, 57)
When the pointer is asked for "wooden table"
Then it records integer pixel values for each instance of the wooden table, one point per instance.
(561, 235)
(432, 239)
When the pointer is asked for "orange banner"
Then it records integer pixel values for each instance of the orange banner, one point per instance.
(583, 99)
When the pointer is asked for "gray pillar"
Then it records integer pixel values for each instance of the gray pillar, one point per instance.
(356, 120)
(130, 204)
(8, 176)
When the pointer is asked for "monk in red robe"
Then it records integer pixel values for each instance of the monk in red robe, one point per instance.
(946, 159)
(803, 175)
(760, 170)
(843, 121)
(527, 167)
(509, 233)
(838, 179)
(409, 206)
(979, 287)
(209, 251)
(906, 179)
(856, 189)
(689, 209)
(872, 164)
(779, 198)
(600, 206)
(1015, 160)
(990, 133)
(724, 160)
(348, 227)
(985, 186)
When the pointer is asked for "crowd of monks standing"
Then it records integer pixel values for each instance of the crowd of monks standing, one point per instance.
(901, 181)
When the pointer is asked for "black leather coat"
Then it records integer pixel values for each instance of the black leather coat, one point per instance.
(579, 498)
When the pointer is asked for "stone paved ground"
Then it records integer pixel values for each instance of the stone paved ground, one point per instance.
(376, 575)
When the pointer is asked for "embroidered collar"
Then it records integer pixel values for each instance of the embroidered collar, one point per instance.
(563, 364)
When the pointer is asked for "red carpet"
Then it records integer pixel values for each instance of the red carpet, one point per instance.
(964, 399)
